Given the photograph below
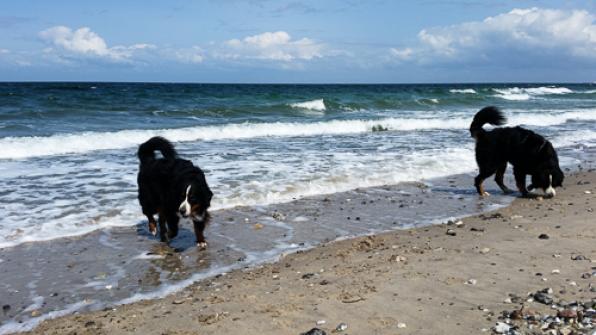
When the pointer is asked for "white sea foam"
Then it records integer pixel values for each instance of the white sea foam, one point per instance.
(24, 147)
(577, 137)
(315, 105)
(464, 91)
(147, 255)
(520, 94)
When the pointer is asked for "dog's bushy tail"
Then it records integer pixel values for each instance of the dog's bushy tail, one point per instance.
(491, 115)
(147, 150)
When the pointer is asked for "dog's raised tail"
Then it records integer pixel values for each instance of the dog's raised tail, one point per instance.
(147, 150)
(491, 115)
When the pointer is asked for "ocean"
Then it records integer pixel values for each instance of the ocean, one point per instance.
(68, 164)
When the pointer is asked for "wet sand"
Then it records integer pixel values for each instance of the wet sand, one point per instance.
(416, 281)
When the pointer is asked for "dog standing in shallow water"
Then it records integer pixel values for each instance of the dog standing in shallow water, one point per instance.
(170, 187)
(528, 153)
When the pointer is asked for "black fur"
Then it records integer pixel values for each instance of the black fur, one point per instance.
(163, 183)
(528, 153)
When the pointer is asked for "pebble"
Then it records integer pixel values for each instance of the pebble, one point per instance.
(258, 226)
(567, 313)
(314, 331)
(501, 328)
(588, 192)
(308, 275)
(451, 232)
(278, 216)
(321, 322)
(579, 258)
(401, 325)
(543, 236)
(556, 271)
(341, 327)
(178, 301)
(397, 258)
(543, 298)
(471, 282)
(485, 250)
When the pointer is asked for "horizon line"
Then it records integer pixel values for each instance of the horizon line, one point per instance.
(297, 83)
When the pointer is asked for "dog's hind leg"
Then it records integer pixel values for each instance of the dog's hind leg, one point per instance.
(520, 181)
(152, 224)
(172, 225)
(480, 179)
(163, 228)
(499, 178)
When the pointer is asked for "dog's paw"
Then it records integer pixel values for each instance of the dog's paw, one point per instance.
(485, 194)
(202, 245)
(153, 229)
(507, 191)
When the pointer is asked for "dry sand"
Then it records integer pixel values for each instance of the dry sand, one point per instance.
(418, 281)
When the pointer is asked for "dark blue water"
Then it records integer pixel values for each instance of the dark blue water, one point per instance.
(42, 109)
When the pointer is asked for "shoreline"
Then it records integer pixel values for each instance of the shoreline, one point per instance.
(368, 282)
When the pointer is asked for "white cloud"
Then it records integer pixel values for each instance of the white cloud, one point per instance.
(520, 32)
(277, 46)
(194, 55)
(402, 54)
(4, 51)
(84, 42)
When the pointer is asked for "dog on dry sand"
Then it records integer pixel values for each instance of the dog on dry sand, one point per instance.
(528, 153)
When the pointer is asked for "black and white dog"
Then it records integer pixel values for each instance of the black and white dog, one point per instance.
(528, 152)
(170, 186)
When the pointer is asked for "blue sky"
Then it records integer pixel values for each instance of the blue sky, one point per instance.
(262, 41)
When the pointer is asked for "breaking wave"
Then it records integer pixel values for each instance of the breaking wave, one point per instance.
(24, 147)
(315, 105)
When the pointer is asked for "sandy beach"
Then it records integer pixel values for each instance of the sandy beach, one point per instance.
(454, 278)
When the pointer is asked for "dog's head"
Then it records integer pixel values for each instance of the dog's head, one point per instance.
(547, 174)
(197, 199)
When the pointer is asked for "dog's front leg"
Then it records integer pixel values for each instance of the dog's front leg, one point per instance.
(199, 228)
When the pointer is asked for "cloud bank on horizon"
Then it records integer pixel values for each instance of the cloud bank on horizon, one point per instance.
(535, 40)
(525, 32)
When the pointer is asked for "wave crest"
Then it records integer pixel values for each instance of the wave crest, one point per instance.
(315, 105)
(464, 91)
(521, 94)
